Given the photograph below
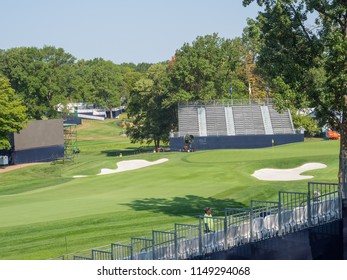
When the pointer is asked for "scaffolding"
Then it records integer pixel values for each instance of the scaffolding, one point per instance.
(70, 141)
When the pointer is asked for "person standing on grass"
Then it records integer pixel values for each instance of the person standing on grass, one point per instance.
(208, 220)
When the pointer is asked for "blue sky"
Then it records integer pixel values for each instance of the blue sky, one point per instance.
(119, 30)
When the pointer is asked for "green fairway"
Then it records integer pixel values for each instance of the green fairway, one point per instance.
(45, 212)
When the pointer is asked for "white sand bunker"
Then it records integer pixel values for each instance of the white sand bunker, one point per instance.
(127, 165)
(269, 174)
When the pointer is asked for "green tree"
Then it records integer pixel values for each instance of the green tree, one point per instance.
(139, 68)
(106, 80)
(80, 82)
(152, 120)
(304, 55)
(130, 77)
(306, 122)
(205, 69)
(12, 113)
(39, 76)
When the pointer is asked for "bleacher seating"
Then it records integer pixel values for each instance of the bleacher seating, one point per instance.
(258, 228)
(248, 120)
(281, 122)
(270, 225)
(299, 217)
(188, 121)
(213, 120)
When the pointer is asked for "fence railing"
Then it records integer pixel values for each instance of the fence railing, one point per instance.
(188, 241)
(294, 211)
(228, 102)
(246, 131)
(142, 248)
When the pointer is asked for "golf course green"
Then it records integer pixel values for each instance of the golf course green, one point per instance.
(45, 212)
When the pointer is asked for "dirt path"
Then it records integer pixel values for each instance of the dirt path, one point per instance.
(17, 166)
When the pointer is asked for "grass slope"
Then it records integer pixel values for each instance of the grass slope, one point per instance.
(44, 212)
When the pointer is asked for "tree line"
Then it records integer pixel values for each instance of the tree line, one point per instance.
(42, 78)
(294, 51)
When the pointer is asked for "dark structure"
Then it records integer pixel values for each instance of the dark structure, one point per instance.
(322, 242)
(344, 231)
(73, 120)
(236, 142)
(40, 141)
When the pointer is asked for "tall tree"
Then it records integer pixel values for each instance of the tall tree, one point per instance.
(12, 113)
(152, 120)
(80, 85)
(39, 76)
(205, 69)
(106, 80)
(304, 55)
(130, 77)
(251, 43)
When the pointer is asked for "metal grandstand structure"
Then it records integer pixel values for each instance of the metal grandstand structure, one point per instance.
(263, 220)
(232, 117)
(70, 141)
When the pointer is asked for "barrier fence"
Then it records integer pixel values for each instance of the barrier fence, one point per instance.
(141, 248)
(164, 245)
(188, 241)
(121, 251)
(292, 212)
(228, 102)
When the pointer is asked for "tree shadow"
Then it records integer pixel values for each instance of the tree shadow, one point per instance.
(189, 205)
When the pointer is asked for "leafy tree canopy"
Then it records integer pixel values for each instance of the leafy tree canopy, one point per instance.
(152, 121)
(39, 76)
(12, 113)
(303, 53)
(205, 69)
(105, 83)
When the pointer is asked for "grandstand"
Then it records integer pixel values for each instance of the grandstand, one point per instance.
(235, 123)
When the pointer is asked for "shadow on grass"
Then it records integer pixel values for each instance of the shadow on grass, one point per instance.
(189, 205)
(129, 151)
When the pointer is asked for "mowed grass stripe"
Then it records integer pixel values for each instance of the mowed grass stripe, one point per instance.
(97, 210)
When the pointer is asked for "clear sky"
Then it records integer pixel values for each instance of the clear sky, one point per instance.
(119, 30)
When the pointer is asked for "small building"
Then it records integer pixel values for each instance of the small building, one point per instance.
(40, 141)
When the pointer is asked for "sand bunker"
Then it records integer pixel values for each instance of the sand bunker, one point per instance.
(127, 165)
(268, 174)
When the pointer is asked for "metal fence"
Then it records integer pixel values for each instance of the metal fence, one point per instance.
(142, 248)
(101, 255)
(228, 102)
(164, 245)
(238, 226)
(121, 251)
(325, 202)
(213, 239)
(188, 241)
(292, 212)
(264, 219)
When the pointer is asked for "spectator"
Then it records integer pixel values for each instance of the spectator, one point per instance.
(208, 220)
